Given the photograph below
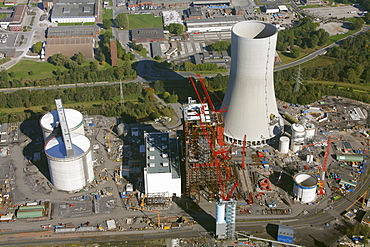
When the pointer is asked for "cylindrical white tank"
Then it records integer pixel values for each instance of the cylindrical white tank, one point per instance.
(296, 146)
(310, 130)
(284, 144)
(304, 189)
(69, 173)
(298, 133)
(220, 213)
(74, 119)
(250, 95)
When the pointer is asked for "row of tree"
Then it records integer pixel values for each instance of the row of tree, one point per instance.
(131, 111)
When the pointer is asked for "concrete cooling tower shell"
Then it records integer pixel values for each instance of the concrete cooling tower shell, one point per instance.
(70, 173)
(250, 94)
(304, 189)
(50, 120)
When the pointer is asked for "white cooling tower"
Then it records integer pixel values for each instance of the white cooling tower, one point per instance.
(284, 144)
(250, 95)
(50, 120)
(70, 172)
(310, 130)
(304, 189)
(298, 133)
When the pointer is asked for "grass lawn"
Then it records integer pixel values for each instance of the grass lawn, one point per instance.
(337, 37)
(40, 69)
(143, 52)
(108, 14)
(318, 61)
(144, 21)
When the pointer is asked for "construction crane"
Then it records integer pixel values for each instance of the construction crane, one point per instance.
(219, 154)
(158, 213)
(363, 197)
(325, 164)
(243, 151)
(108, 138)
(316, 143)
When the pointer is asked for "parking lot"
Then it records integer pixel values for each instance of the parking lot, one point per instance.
(338, 12)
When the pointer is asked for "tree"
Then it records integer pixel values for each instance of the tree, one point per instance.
(58, 59)
(79, 58)
(107, 23)
(158, 58)
(101, 57)
(37, 47)
(220, 46)
(356, 24)
(121, 21)
(175, 28)
(294, 52)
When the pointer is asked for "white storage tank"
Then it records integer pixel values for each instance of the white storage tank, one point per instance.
(73, 172)
(298, 133)
(304, 189)
(296, 146)
(284, 144)
(220, 213)
(74, 121)
(310, 130)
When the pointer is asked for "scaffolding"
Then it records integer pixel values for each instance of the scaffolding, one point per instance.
(203, 170)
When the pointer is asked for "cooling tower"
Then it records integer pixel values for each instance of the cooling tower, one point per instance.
(250, 95)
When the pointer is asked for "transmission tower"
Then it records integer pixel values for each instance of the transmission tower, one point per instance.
(121, 92)
(298, 80)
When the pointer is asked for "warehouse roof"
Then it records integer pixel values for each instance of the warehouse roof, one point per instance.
(63, 31)
(73, 10)
(147, 34)
(30, 211)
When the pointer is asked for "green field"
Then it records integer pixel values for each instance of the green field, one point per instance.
(40, 69)
(144, 21)
(108, 14)
(363, 88)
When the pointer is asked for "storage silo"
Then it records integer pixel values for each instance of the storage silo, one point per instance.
(310, 130)
(50, 121)
(304, 189)
(296, 146)
(284, 144)
(70, 170)
(298, 133)
(250, 95)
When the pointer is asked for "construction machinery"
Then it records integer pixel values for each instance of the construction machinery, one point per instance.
(363, 197)
(152, 222)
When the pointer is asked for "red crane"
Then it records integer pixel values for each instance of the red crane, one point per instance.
(215, 153)
(243, 151)
(325, 165)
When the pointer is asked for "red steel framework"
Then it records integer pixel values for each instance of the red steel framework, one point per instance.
(209, 170)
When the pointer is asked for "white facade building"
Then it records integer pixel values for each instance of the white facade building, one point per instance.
(162, 171)
(73, 13)
(250, 95)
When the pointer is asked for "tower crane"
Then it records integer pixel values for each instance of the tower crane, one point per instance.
(108, 138)
(325, 164)
(217, 154)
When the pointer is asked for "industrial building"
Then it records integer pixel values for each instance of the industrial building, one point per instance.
(67, 150)
(162, 170)
(72, 31)
(147, 34)
(250, 95)
(71, 45)
(72, 13)
(212, 24)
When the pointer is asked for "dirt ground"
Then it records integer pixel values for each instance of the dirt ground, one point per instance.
(334, 28)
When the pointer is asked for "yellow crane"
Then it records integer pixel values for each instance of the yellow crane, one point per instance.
(363, 197)
(158, 213)
(108, 138)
